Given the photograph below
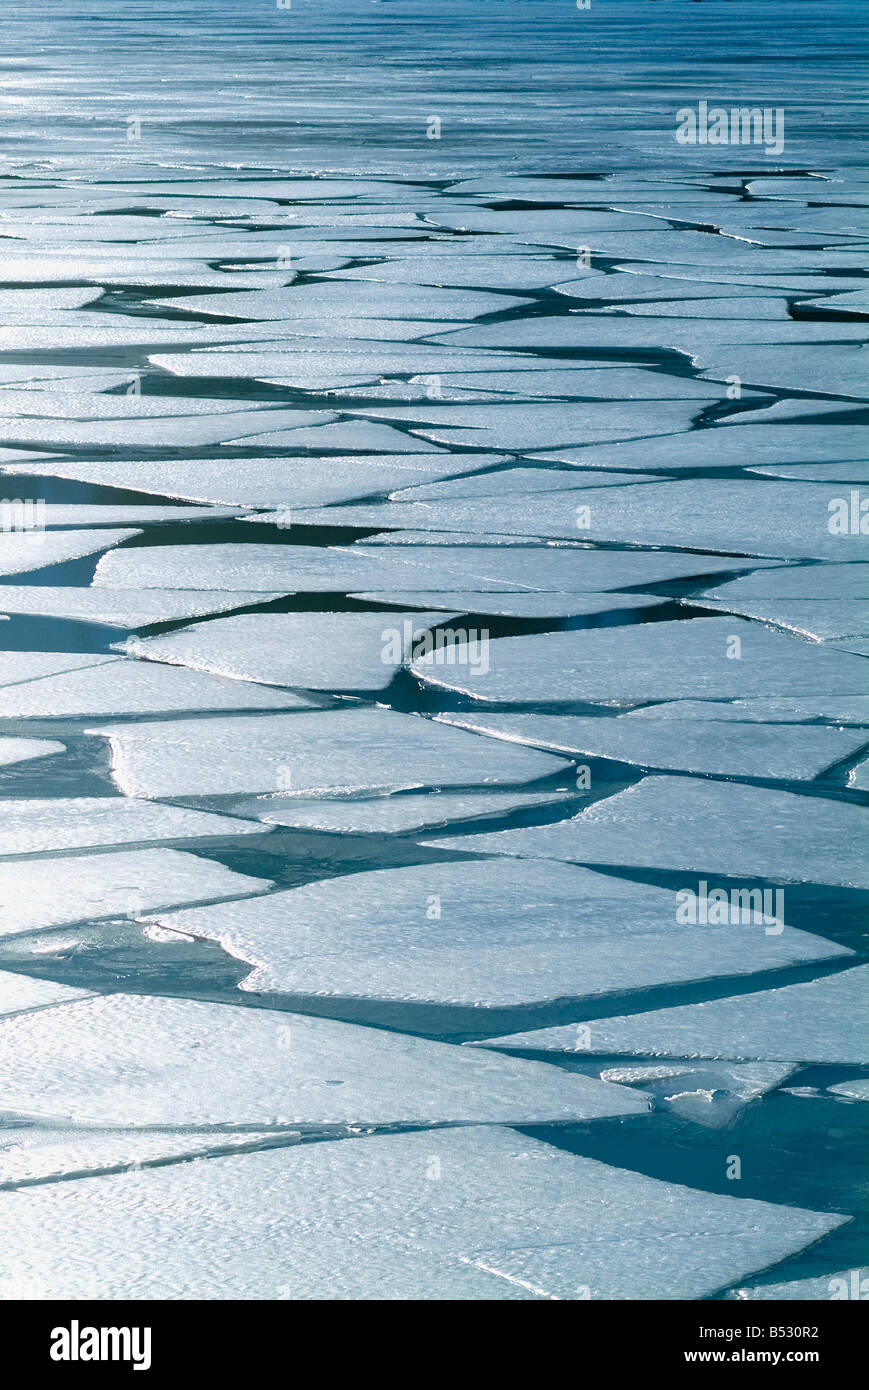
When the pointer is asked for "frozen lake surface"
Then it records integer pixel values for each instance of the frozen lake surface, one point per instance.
(434, 709)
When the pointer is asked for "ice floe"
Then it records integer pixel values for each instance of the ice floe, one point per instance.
(33, 549)
(85, 822)
(133, 608)
(392, 814)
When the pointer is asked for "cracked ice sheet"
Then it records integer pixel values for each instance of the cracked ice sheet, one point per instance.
(696, 338)
(391, 814)
(819, 582)
(709, 1095)
(834, 369)
(19, 993)
(46, 825)
(510, 933)
(210, 1064)
(309, 569)
(840, 710)
(811, 1022)
(534, 605)
(22, 551)
(649, 661)
(718, 448)
(166, 431)
(324, 752)
(123, 608)
(337, 299)
(20, 750)
(31, 1153)
(853, 473)
(317, 651)
(78, 888)
(737, 750)
(509, 480)
(734, 516)
(820, 619)
(699, 827)
(606, 382)
(265, 482)
(513, 1219)
(116, 686)
(56, 515)
(544, 425)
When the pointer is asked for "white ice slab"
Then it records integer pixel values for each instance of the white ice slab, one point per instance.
(858, 1089)
(20, 750)
(317, 651)
(817, 582)
(309, 569)
(723, 448)
(468, 1213)
(211, 1064)
(391, 814)
(533, 605)
(21, 551)
(842, 709)
(117, 686)
(843, 1284)
(737, 750)
(318, 753)
(486, 933)
(812, 1022)
(79, 888)
(41, 826)
(129, 609)
(711, 657)
(708, 1095)
(339, 299)
(19, 993)
(508, 480)
(819, 619)
(701, 828)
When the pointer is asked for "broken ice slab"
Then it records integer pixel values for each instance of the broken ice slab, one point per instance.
(62, 514)
(337, 299)
(210, 1064)
(529, 605)
(817, 618)
(19, 993)
(174, 431)
(833, 368)
(737, 750)
(265, 482)
(545, 425)
(317, 651)
(319, 753)
(129, 609)
(391, 814)
(841, 709)
(720, 448)
(732, 516)
(78, 888)
(463, 1213)
(585, 379)
(20, 750)
(852, 473)
(711, 657)
(85, 822)
(709, 1095)
(33, 548)
(509, 480)
(811, 1022)
(858, 1089)
(484, 934)
(311, 569)
(817, 582)
(695, 338)
(701, 828)
(116, 686)
(844, 1283)
(31, 1153)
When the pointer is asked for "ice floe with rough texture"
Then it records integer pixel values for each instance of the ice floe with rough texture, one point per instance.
(318, 651)
(209, 1064)
(116, 686)
(20, 750)
(392, 814)
(737, 750)
(709, 1095)
(488, 933)
(323, 752)
(811, 1022)
(711, 657)
(511, 1218)
(33, 549)
(818, 618)
(20, 993)
(701, 828)
(309, 569)
(265, 482)
(85, 822)
(77, 888)
(133, 608)
(530, 605)
(336, 299)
